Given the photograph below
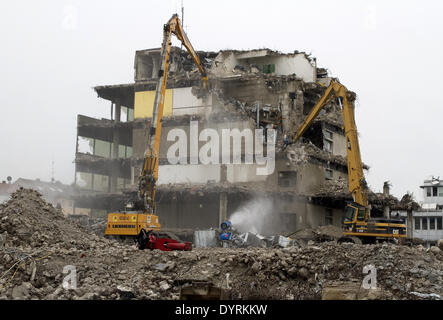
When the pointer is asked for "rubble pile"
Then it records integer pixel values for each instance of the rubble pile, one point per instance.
(337, 188)
(29, 221)
(407, 202)
(315, 152)
(300, 273)
(38, 247)
(182, 69)
(96, 226)
(319, 234)
(300, 153)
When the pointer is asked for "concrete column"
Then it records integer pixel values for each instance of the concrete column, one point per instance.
(386, 212)
(299, 102)
(288, 107)
(155, 66)
(118, 110)
(223, 173)
(257, 120)
(223, 209)
(115, 143)
(410, 224)
(223, 212)
(285, 114)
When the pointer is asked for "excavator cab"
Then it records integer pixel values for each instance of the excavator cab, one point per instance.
(355, 213)
(350, 213)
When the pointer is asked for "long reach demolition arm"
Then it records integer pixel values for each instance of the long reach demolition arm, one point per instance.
(357, 182)
(149, 174)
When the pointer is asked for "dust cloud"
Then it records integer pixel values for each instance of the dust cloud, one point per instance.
(253, 216)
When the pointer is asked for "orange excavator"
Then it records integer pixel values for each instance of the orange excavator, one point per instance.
(144, 226)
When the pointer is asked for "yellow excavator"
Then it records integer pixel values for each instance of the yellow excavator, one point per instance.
(358, 225)
(130, 224)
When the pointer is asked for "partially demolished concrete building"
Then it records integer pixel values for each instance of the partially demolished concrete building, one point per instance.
(255, 89)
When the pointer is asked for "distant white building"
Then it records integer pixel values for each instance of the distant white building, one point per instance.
(433, 193)
(428, 220)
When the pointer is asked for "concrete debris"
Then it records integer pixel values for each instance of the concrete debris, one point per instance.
(349, 290)
(297, 156)
(435, 249)
(254, 240)
(96, 226)
(247, 239)
(205, 238)
(160, 266)
(319, 234)
(40, 245)
(202, 290)
(407, 202)
(332, 116)
(339, 189)
(297, 239)
(432, 296)
(284, 242)
(300, 154)
(327, 233)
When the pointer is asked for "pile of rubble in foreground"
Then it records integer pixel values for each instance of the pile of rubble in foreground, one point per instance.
(37, 243)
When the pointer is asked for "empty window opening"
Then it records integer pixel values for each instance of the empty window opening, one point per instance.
(328, 216)
(424, 223)
(431, 223)
(417, 224)
(287, 178)
(428, 191)
(327, 141)
(85, 145)
(328, 134)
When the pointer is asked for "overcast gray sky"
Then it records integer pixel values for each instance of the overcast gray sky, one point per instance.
(388, 52)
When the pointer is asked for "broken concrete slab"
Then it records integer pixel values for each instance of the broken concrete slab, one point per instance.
(205, 238)
(349, 290)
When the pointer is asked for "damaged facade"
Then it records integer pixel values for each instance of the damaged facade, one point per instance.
(256, 89)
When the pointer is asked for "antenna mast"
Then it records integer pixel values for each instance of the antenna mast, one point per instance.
(183, 16)
(52, 171)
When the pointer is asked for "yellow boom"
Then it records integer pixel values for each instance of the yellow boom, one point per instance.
(149, 174)
(358, 225)
(357, 182)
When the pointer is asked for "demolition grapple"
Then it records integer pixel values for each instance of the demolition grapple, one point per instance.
(152, 240)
